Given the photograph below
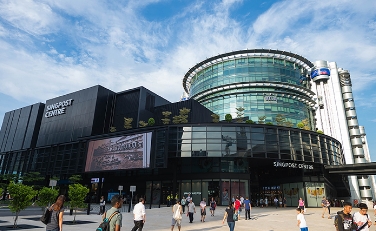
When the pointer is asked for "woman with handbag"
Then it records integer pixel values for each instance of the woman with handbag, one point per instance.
(56, 220)
(177, 211)
(213, 204)
(102, 204)
(229, 214)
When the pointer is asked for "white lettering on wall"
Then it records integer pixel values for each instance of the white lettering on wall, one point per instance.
(57, 108)
(292, 165)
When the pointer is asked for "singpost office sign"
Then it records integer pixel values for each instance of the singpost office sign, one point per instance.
(292, 165)
(57, 109)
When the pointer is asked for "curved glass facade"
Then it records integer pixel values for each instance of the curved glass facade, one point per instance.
(253, 141)
(262, 85)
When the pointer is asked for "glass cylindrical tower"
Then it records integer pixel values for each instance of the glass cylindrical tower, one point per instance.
(264, 82)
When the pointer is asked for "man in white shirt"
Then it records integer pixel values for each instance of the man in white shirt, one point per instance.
(302, 224)
(362, 219)
(139, 215)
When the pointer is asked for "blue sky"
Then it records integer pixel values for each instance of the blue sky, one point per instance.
(50, 48)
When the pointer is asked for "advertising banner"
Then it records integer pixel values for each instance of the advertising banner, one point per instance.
(125, 152)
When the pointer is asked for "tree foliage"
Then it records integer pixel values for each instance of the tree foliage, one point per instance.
(269, 123)
(306, 124)
(47, 196)
(22, 196)
(239, 114)
(77, 194)
(249, 122)
(75, 179)
(166, 119)
(128, 123)
(289, 124)
(5, 179)
(261, 119)
(182, 118)
(215, 118)
(280, 119)
(228, 117)
(142, 124)
(320, 132)
(33, 178)
(151, 121)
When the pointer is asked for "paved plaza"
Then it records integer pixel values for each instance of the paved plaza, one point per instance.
(158, 219)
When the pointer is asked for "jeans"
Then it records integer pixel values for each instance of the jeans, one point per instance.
(138, 225)
(190, 217)
(183, 206)
(247, 214)
(304, 229)
(231, 225)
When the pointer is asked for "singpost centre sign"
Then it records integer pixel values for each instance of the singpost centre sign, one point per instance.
(292, 165)
(57, 109)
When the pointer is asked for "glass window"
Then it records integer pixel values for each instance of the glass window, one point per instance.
(198, 135)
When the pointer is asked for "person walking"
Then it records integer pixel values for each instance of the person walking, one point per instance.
(247, 208)
(324, 205)
(302, 224)
(203, 209)
(229, 214)
(275, 202)
(139, 215)
(213, 205)
(117, 219)
(344, 220)
(361, 218)
(301, 204)
(183, 204)
(102, 206)
(55, 222)
(191, 210)
(188, 199)
(177, 211)
(237, 205)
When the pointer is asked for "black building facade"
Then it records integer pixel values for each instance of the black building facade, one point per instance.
(83, 133)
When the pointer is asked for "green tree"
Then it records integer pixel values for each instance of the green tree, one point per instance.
(215, 118)
(261, 119)
(306, 124)
(142, 124)
(5, 179)
(33, 178)
(151, 121)
(182, 118)
(47, 196)
(249, 122)
(166, 119)
(300, 125)
(269, 123)
(112, 129)
(75, 179)
(289, 124)
(77, 194)
(320, 132)
(280, 119)
(239, 114)
(228, 117)
(22, 198)
(128, 123)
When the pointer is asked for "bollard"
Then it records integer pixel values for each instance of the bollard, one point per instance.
(71, 212)
(88, 209)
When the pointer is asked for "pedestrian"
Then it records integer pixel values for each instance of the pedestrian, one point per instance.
(203, 209)
(55, 222)
(276, 202)
(191, 210)
(247, 208)
(302, 224)
(102, 206)
(139, 215)
(183, 203)
(177, 211)
(324, 205)
(229, 214)
(361, 218)
(213, 205)
(328, 204)
(266, 202)
(116, 220)
(237, 205)
(261, 203)
(301, 204)
(344, 220)
(284, 202)
(188, 199)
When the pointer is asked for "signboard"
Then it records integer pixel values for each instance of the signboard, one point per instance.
(120, 188)
(292, 165)
(320, 73)
(132, 189)
(57, 109)
(270, 99)
(124, 152)
(53, 183)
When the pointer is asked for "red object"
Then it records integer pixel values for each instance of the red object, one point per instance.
(237, 204)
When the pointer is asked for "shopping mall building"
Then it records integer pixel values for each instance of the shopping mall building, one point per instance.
(97, 133)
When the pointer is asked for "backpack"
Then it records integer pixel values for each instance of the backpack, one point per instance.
(105, 225)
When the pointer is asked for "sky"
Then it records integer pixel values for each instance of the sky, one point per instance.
(51, 48)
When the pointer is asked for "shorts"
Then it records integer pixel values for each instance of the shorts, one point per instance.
(304, 229)
(212, 208)
(203, 212)
(173, 222)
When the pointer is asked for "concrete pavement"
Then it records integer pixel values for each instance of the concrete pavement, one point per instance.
(158, 219)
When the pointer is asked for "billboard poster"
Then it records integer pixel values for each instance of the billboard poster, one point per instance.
(124, 152)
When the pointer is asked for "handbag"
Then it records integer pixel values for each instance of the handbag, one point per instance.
(46, 217)
(235, 216)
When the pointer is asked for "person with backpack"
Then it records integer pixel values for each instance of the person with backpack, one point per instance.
(177, 211)
(55, 223)
(113, 215)
(229, 214)
(361, 218)
(343, 221)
